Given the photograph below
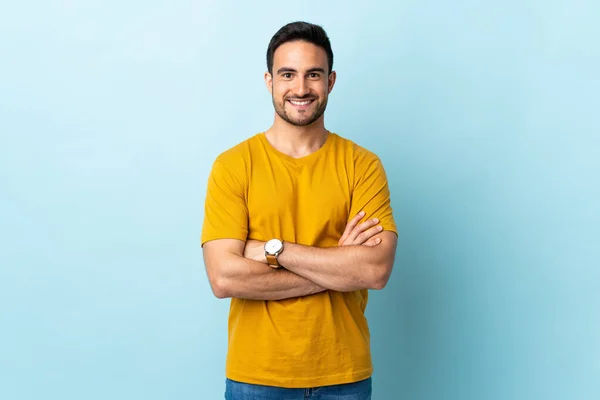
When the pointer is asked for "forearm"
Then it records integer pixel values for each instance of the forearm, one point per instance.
(344, 268)
(248, 279)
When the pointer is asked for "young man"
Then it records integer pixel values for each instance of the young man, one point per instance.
(298, 227)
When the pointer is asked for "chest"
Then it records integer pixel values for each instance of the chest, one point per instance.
(307, 204)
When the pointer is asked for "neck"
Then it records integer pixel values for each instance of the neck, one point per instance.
(297, 141)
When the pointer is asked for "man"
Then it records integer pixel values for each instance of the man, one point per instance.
(283, 238)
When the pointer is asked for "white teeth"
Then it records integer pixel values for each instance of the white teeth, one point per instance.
(300, 103)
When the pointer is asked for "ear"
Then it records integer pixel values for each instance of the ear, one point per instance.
(331, 81)
(269, 82)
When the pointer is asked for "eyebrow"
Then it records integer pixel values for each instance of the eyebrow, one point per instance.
(287, 69)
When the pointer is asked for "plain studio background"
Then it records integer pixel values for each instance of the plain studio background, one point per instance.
(485, 115)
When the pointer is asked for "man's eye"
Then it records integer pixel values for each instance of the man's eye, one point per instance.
(287, 75)
(314, 75)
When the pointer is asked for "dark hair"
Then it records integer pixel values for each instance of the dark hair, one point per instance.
(299, 30)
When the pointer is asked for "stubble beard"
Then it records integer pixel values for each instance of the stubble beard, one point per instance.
(280, 110)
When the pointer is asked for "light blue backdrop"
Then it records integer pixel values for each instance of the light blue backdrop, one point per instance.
(485, 115)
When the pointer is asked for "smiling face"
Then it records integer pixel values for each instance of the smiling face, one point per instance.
(300, 83)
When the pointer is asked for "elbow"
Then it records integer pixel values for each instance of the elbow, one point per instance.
(383, 262)
(379, 283)
(219, 292)
(219, 286)
(220, 263)
(380, 276)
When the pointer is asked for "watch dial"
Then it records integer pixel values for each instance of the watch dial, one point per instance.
(273, 246)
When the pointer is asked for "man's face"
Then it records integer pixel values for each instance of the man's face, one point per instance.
(300, 83)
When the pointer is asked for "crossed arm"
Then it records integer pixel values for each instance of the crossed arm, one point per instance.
(363, 260)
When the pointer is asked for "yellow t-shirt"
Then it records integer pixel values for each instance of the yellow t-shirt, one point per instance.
(256, 192)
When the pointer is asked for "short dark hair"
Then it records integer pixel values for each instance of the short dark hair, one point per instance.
(300, 30)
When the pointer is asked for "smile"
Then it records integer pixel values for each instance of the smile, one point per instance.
(300, 103)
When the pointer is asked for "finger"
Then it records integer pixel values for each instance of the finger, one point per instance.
(368, 234)
(372, 242)
(362, 228)
(351, 225)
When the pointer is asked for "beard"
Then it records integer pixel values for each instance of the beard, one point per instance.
(303, 119)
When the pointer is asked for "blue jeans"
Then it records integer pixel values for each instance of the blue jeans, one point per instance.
(350, 391)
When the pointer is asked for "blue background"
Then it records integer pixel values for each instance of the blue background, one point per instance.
(485, 115)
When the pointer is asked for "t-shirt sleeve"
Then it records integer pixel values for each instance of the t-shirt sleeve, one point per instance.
(372, 195)
(225, 208)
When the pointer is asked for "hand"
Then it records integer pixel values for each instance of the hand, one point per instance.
(255, 250)
(359, 234)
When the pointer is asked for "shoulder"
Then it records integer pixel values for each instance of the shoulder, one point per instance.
(235, 162)
(239, 153)
(360, 155)
(237, 159)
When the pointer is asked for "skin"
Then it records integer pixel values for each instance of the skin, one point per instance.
(239, 269)
(365, 255)
(300, 72)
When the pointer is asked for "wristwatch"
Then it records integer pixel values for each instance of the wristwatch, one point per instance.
(273, 248)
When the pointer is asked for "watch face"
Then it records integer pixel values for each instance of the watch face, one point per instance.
(273, 246)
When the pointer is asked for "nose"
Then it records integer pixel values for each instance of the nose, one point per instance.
(302, 88)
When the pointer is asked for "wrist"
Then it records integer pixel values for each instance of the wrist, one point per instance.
(260, 255)
(284, 257)
(254, 250)
(272, 250)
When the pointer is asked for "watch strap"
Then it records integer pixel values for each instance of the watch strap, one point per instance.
(272, 260)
